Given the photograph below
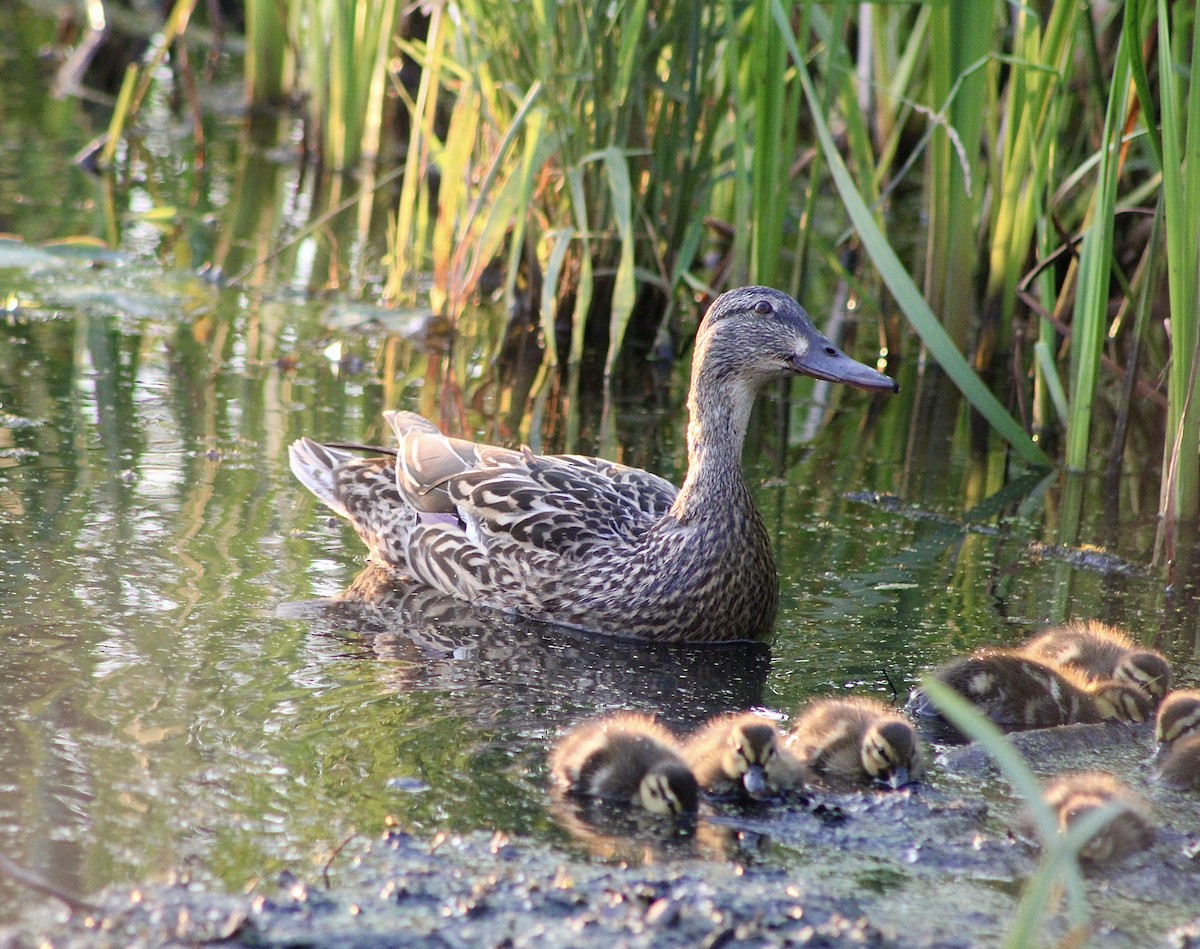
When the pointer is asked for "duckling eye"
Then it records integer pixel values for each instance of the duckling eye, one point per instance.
(763, 307)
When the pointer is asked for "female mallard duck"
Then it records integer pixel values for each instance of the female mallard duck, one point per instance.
(741, 755)
(856, 740)
(1178, 716)
(1129, 830)
(627, 758)
(585, 542)
(1100, 651)
(1179, 764)
(1018, 692)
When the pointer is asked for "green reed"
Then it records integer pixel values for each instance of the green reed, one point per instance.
(268, 65)
(590, 157)
(1059, 868)
(1179, 151)
(607, 154)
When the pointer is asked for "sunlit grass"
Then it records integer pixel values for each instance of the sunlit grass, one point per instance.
(614, 159)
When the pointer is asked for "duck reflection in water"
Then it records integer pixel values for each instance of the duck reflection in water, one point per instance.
(612, 832)
(530, 672)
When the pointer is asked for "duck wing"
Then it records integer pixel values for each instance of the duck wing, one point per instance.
(564, 504)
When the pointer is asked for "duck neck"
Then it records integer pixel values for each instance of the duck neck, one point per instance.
(718, 415)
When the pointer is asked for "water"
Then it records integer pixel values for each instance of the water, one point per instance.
(171, 697)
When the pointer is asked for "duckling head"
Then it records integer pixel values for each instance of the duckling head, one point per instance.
(1126, 831)
(749, 755)
(1120, 702)
(1145, 670)
(1178, 716)
(891, 753)
(669, 789)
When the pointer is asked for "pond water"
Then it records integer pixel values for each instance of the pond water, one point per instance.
(171, 696)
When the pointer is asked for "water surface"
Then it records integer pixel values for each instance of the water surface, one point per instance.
(171, 696)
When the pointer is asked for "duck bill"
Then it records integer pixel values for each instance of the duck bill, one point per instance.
(823, 360)
(898, 779)
(755, 781)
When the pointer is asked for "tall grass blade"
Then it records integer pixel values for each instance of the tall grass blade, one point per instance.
(1181, 198)
(960, 32)
(267, 70)
(1089, 322)
(1059, 865)
(901, 285)
(624, 292)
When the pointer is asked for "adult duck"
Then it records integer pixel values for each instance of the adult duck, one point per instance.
(589, 543)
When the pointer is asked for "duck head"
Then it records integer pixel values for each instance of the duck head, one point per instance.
(757, 334)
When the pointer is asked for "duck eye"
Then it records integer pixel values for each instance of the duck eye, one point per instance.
(764, 307)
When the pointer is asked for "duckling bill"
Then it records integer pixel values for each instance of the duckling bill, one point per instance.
(585, 542)
(742, 756)
(856, 740)
(626, 758)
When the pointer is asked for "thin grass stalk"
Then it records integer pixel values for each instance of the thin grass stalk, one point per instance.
(741, 170)
(1089, 321)
(959, 33)
(120, 115)
(1032, 110)
(900, 77)
(408, 242)
(769, 150)
(497, 201)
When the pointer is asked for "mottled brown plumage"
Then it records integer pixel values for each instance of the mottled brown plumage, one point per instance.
(586, 542)
(1178, 716)
(1100, 651)
(1019, 692)
(1128, 831)
(741, 755)
(626, 758)
(856, 740)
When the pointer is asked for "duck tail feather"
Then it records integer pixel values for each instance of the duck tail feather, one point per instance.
(313, 464)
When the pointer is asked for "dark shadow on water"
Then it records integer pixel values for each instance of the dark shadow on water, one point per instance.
(535, 671)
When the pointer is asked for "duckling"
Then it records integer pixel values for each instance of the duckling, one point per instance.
(627, 757)
(855, 740)
(1018, 692)
(741, 755)
(1129, 830)
(1100, 651)
(1178, 716)
(1179, 766)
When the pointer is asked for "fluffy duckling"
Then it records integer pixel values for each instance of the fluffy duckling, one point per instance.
(1018, 692)
(1100, 651)
(1179, 764)
(1178, 716)
(628, 758)
(856, 740)
(741, 755)
(1128, 831)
